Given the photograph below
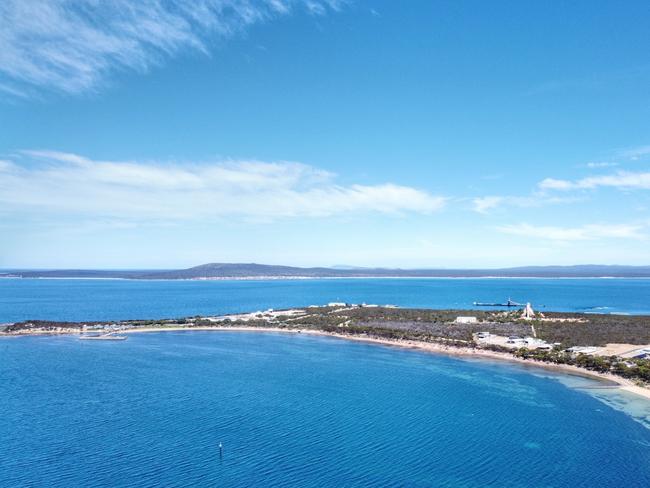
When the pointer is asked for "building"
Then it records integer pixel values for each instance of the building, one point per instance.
(466, 320)
(534, 343)
(642, 354)
(520, 341)
(586, 350)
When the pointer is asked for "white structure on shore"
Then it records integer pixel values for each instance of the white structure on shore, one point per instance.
(586, 350)
(466, 320)
(528, 313)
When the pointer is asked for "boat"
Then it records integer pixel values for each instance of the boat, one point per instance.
(509, 303)
(110, 336)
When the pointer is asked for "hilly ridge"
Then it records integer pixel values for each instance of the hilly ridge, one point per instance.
(254, 270)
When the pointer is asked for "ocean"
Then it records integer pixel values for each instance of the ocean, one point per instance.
(82, 299)
(298, 410)
(301, 410)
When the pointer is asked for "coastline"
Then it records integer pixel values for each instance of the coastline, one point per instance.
(613, 381)
(308, 278)
(434, 348)
(358, 277)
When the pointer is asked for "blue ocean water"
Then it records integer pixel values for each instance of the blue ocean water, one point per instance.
(297, 410)
(23, 299)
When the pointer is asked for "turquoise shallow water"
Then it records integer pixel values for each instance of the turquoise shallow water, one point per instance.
(296, 410)
(119, 299)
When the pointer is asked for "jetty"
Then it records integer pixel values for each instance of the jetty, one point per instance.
(102, 337)
(509, 303)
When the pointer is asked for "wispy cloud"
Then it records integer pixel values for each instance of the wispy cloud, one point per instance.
(601, 164)
(582, 233)
(635, 153)
(50, 182)
(485, 205)
(72, 46)
(624, 180)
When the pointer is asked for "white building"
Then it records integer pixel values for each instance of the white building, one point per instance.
(466, 320)
(587, 350)
(642, 354)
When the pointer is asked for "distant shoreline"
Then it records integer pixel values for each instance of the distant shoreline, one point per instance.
(306, 278)
(256, 271)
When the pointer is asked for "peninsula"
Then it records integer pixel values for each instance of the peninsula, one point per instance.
(611, 347)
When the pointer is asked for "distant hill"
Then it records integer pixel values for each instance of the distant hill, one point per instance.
(253, 270)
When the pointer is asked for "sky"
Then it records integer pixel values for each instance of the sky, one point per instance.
(166, 134)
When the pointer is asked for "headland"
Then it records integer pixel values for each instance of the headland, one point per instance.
(611, 348)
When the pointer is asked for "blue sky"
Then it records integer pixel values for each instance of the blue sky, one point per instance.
(305, 132)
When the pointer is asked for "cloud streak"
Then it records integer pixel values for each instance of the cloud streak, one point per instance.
(63, 184)
(582, 233)
(623, 180)
(486, 204)
(635, 153)
(73, 46)
(601, 164)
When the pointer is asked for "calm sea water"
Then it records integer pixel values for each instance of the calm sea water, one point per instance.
(120, 299)
(296, 410)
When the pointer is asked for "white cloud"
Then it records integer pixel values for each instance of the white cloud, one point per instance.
(72, 46)
(485, 204)
(555, 184)
(623, 180)
(63, 184)
(585, 232)
(598, 164)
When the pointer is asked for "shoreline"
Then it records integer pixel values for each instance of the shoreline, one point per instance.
(433, 348)
(613, 381)
(301, 278)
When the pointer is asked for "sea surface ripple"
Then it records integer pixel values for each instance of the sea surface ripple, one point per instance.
(83, 299)
(297, 410)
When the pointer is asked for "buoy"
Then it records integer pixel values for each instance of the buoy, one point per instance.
(220, 450)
